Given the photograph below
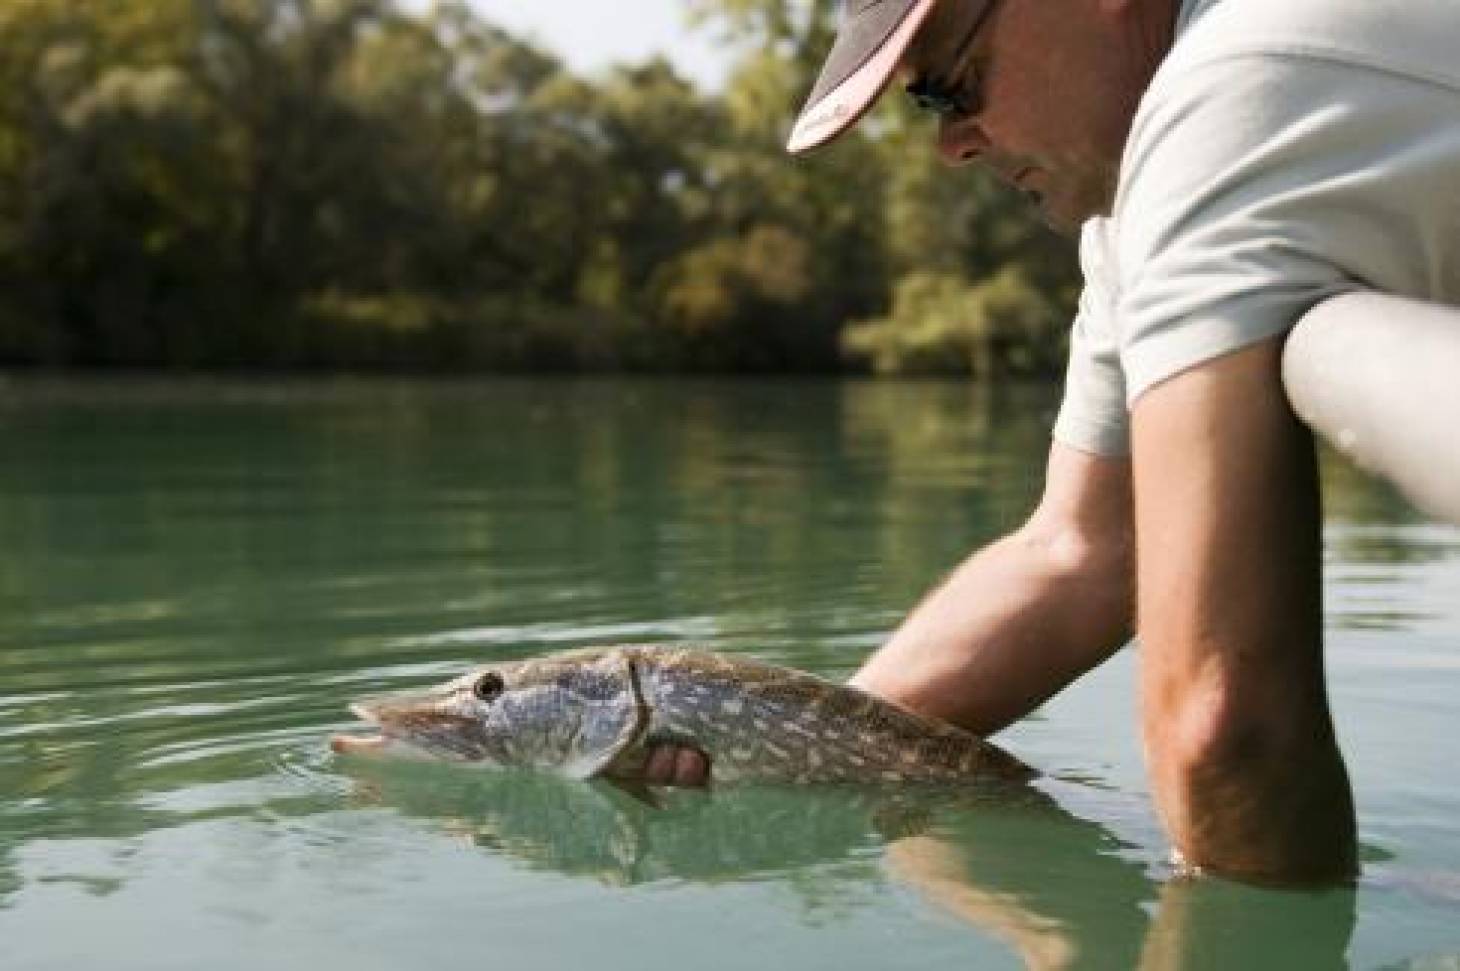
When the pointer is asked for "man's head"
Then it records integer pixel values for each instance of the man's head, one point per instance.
(1041, 91)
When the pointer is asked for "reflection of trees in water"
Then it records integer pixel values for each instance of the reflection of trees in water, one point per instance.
(1388, 545)
(777, 513)
(1376, 543)
(157, 539)
(958, 464)
(104, 788)
(1371, 523)
(176, 552)
(1352, 495)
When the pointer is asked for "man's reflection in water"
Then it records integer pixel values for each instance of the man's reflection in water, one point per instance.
(1209, 923)
(1057, 891)
(1050, 886)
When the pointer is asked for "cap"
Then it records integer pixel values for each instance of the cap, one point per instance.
(869, 46)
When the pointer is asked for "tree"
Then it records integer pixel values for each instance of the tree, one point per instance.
(207, 183)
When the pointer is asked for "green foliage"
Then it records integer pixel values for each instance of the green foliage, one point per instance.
(940, 323)
(339, 183)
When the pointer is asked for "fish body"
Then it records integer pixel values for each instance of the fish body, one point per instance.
(598, 712)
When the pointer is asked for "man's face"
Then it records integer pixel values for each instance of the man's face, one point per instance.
(1058, 82)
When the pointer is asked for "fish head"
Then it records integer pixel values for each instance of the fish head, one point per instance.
(573, 713)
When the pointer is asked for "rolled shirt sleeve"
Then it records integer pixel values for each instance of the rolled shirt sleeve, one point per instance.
(1255, 184)
(1092, 417)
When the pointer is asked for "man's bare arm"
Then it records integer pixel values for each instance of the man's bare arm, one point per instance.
(1022, 618)
(1235, 717)
(1016, 622)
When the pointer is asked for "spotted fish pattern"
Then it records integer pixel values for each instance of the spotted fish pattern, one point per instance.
(761, 721)
(600, 711)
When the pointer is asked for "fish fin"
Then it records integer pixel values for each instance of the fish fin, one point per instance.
(635, 724)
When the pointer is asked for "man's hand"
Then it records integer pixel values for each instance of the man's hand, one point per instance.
(669, 765)
(1016, 622)
(1020, 619)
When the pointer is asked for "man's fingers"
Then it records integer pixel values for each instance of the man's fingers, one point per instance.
(691, 768)
(671, 766)
(659, 767)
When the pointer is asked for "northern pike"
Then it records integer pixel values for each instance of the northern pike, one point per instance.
(597, 712)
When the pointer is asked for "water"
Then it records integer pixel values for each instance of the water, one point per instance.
(195, 578)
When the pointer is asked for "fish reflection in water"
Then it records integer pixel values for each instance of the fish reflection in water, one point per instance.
(594, 829)
(1059, 891)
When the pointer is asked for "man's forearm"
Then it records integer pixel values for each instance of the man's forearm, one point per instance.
(1014, 624)
(1243, 761)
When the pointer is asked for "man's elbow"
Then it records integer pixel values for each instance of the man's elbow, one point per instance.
(1095, 558)
(1259, 784)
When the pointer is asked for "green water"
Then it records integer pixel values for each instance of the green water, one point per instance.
(195, 578)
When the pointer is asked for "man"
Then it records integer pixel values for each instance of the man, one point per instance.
(1229, 165)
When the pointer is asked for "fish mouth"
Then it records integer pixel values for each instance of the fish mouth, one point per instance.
(363, 744)
(411, 725)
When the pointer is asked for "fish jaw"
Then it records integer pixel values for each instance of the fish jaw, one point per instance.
(415, 726)
(381, 743)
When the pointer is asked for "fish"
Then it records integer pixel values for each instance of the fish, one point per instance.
(598, 712)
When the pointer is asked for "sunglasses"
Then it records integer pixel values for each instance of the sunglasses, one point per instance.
(936, 95)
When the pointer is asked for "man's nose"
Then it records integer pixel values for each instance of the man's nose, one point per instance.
(961, 141)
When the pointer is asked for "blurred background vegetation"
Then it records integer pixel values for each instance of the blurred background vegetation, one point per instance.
(345, 184)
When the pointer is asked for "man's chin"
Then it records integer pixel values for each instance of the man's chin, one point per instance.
(1059, 222)
(1063, 215)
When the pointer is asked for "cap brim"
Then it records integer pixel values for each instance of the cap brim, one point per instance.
(827, 116)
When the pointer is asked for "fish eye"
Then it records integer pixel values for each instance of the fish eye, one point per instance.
(489, 686)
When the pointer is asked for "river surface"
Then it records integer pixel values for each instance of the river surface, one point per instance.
(195, 578)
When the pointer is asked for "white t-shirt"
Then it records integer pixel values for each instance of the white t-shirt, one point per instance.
(1285, 151)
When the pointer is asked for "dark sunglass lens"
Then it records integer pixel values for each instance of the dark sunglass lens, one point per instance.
(931, 97)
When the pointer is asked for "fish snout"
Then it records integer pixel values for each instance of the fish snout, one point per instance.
(427, 722)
